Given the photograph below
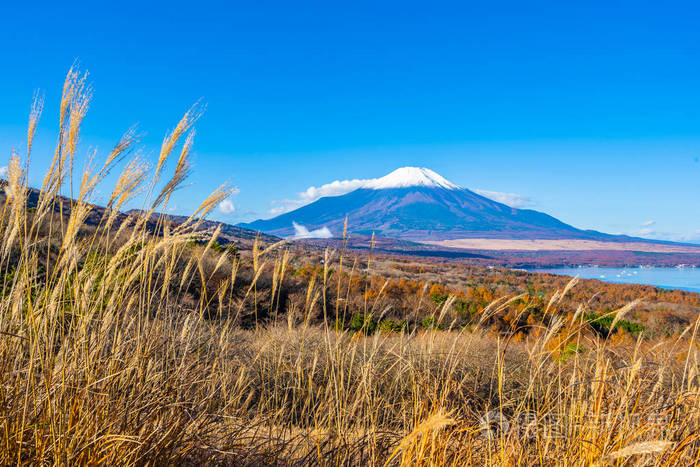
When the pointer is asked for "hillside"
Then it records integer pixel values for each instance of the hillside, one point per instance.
(62, 206)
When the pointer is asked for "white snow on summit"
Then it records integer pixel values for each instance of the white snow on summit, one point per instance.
(400, 178)
(410, 176)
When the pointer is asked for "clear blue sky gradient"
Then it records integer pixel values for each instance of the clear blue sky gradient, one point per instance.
(592, 109)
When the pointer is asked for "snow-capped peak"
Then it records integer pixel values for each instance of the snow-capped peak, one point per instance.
(410, 176)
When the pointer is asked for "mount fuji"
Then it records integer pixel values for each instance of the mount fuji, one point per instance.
(417, 204)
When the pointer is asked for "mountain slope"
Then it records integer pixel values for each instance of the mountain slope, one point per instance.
(418, 204)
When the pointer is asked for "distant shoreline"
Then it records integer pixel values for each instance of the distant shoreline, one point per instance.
(563, 245)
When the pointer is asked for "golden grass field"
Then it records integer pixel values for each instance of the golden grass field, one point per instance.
(107, 356)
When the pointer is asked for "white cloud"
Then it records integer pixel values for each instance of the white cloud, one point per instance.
(227, 206)
(513, 200)
(648, 223)
(311, 194)
(3, 171)
(336, 188)
(302, 232)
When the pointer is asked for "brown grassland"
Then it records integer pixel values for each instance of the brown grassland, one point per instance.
(135, 340)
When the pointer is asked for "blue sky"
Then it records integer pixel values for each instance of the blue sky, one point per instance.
(589, 112)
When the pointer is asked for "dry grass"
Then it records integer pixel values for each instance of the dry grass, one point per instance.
(103, 361)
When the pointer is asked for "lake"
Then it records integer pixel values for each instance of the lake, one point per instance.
(670, 278)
